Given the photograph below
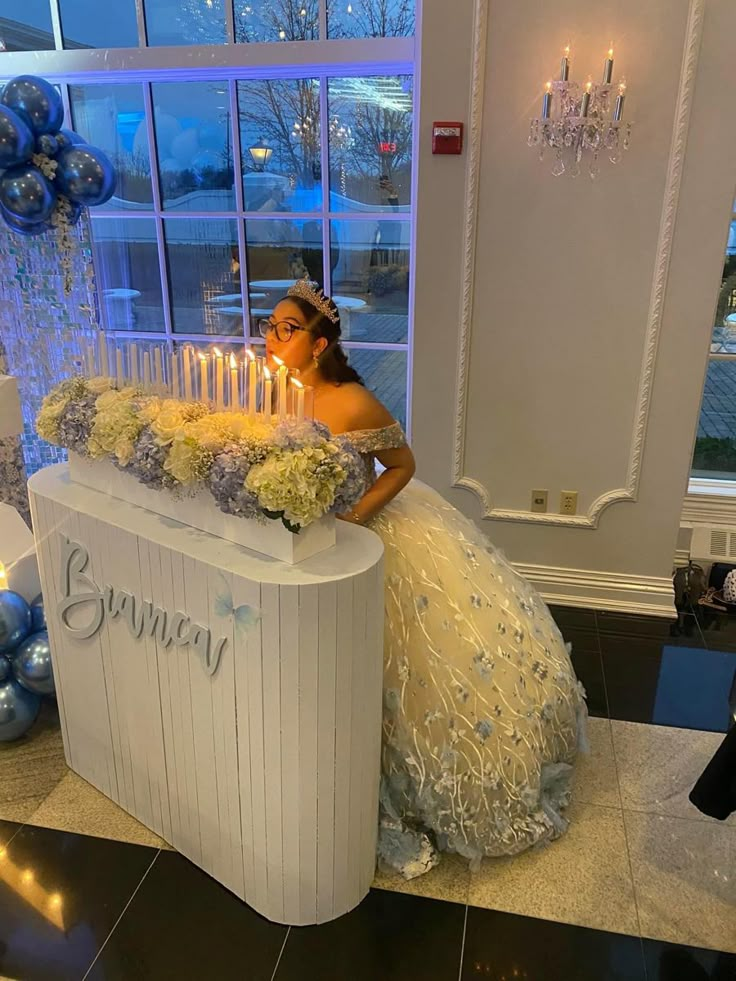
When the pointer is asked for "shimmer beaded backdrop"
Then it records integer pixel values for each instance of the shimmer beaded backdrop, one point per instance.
(43, 330)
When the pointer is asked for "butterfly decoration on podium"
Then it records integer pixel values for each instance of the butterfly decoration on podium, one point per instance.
(244, 616)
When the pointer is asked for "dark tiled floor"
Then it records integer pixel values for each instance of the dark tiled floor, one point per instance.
(131, 913)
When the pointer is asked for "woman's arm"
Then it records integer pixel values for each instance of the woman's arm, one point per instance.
(400, 467)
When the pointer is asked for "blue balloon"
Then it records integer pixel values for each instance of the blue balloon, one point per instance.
(46, 144)
(15, 620)
(38, 614)
(28, 228)
(32, 664)
(27, 194)
(35, 100)
(85, 175)
(16, 139)
(18, 710)
(6, 669)
(67, 137)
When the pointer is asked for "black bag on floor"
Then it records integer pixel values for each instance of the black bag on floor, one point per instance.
(715, 792)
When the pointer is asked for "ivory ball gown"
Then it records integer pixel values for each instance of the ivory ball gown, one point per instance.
(483, 714)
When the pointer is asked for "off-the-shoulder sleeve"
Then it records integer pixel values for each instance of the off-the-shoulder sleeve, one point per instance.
(375, 440)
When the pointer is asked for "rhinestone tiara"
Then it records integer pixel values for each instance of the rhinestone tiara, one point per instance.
(308, 290)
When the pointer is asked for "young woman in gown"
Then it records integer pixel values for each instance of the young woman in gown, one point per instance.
(483, 713)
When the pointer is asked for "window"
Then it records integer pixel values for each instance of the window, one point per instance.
(715, 445)
(235, 181)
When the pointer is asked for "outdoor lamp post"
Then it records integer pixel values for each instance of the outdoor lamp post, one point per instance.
(261, 154)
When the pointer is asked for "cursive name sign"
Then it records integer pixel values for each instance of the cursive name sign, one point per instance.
(142, 617)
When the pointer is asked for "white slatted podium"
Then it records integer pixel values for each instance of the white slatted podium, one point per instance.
(262, 768)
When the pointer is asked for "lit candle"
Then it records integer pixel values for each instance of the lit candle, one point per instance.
(234, 394)
(146, 370)
(547, 100)
(119, 373)
(299, 409)
(204, 388)
(175, 374)
(281, 379)
(565, 64)
(3, 577)
(90, 360)
(267, 394)
(158, 365)
(104, 366)
(252, 383)
(608, 67)
(187, 373)
(619, 107)
(133, 349)
(219, 379)
(585, 103)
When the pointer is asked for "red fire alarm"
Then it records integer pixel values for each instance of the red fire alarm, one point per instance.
(447, 137)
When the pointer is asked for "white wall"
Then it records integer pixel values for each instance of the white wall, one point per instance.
(589, 304)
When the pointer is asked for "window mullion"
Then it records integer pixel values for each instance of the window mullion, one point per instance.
(156, 191)
(324, 156)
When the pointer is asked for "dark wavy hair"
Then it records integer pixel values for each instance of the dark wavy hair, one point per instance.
(333, 362)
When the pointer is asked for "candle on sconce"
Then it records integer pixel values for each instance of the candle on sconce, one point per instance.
(619, 106)
(104, 364)
(585, 102)
(299, 407)
(158, 366)
(204, 388)
(119, 373)
(146, 370)
(608, 67)
(234, 393)
(175, 374)
(565, 64)
(187, 356)
(252, 384)
(133, 352)
(267, 394)
(281, 379)
(547, 101)
(219, 379)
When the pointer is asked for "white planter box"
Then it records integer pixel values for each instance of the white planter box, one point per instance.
(200, 511)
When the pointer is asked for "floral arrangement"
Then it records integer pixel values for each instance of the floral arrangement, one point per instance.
(293, 471)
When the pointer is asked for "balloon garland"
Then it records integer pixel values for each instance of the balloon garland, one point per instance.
(26, 670)
(47, 174)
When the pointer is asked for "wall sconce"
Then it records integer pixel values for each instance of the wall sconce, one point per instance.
(260, 154)
(577, 121)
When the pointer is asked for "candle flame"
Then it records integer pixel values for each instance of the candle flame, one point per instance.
(3, 577)
(610, 51)
(567, 50)
(588, 86)
(266, 373)
(55, 900)
(548, 87)
(202, 357)
(218, 352)
(296, 383)
(622, 88)
(233, 362)
(249, 354)
(278, 361)
(27, 876)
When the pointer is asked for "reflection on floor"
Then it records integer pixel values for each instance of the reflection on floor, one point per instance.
(643, 886)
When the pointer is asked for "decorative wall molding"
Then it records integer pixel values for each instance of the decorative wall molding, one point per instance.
(589, 589)
(630, 490)
(708, 509)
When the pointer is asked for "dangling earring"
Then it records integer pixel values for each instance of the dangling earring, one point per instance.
(315, 361)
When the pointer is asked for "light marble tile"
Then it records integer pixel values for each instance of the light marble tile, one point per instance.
(594, 777)
(450, 880)
(31, 767)
(658, 766)
(77, 806)
(582, 878)
(684, 879)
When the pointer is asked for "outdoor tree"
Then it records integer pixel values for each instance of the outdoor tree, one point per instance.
(371, 18)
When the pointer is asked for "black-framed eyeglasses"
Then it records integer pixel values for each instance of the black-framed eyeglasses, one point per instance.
(283, 329)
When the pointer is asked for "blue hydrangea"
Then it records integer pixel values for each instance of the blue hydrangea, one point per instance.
(355, 484)
(75, 423)
(147, 462)
(293, 435)
(227, 479)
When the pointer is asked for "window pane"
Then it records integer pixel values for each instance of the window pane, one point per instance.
(25, 25)
(89, 24)
(384, 373)
(127, 269)
(276, 20)
(112, 118)
(185, 22)
(279, 253)
(370, 18)
(284, 114)
(715, 447)
(370, 282)
(194, 145)
(370, 136)
(204, 275)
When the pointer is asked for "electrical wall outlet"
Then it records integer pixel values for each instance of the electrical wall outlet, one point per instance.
(569, 502)
(539, 501)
